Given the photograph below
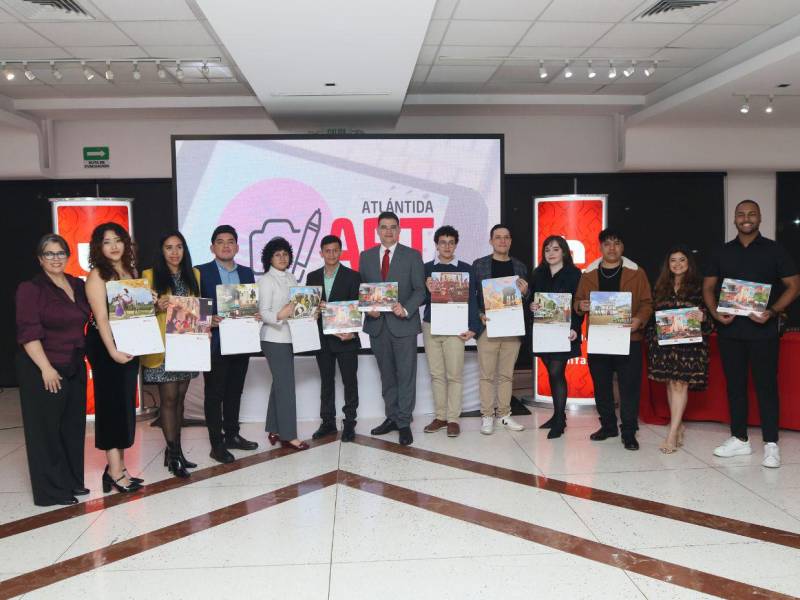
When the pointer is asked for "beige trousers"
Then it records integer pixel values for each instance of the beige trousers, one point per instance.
(496, 358)
(446, 364)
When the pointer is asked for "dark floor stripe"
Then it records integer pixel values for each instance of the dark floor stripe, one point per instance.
(616, 557)
(54, 573)
(165, 485)
(659, 509)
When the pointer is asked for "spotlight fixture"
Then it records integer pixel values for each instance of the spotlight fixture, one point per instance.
(137, 74)
(7, 72)
(567, 70)
(205, 70)
(178, 71)
(612, 70)
(57, 75)
(29, 75)
(745, 108)
(162, 74)
(542, 70)
(628, 71)
(769, 108)
(591, 73)
(109, 72)
(648, 71)
(87, 72)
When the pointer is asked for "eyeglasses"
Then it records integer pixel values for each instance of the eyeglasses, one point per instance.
(61, 255)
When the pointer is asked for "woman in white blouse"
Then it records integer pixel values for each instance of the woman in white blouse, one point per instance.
(276, 342)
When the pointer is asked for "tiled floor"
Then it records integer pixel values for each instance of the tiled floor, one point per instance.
(512, 515)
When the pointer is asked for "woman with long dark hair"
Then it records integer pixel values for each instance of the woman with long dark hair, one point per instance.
(682, 367)
(556, 273)
(115, 373)
(171, 275)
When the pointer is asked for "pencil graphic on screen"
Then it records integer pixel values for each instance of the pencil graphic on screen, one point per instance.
(307, 242)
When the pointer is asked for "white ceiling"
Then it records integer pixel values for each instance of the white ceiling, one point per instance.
(385, 57)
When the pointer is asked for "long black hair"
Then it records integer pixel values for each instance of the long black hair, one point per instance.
(562, 243)
(162, 276)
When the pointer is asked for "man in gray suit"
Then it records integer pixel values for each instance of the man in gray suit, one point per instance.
(393, 335)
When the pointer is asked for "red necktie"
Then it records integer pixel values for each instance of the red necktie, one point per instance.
(385, 265)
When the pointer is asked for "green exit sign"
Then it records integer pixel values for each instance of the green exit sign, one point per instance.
(95, 157)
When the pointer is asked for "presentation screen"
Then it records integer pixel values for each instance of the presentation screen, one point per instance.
(304, 187)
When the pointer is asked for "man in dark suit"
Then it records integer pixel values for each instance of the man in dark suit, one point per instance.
(338, 283)
(225, 382)
(393, 335)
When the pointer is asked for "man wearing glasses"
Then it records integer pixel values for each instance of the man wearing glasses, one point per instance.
(393, 335)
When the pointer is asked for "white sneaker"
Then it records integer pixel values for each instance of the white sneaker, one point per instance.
(487, 425)
(511, 424)
(772, 456)
(733, 446)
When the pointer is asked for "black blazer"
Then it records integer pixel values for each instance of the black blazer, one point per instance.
(345, 287)
(566, 282)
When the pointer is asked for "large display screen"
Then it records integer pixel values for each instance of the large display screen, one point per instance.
(304, 187)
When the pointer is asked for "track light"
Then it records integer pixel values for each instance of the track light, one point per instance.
(542, 70)
(612, 70)
(29, 75)
(591, 73)
(109, 73)
(137, 74)
(162, 74)
(205, 70)
(648, 71)
(567, 70)
(628, 71)
(745, 108)
(178, 71)
(7, 73)
(87, 72)
(57, 75)
(769, 108)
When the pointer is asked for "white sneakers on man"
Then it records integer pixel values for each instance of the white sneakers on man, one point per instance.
(487, 425)
(511, 424)
(772, 455)
(733, 446)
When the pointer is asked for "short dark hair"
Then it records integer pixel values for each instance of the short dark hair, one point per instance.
(499, 226)
(447, 230)
(330, 239)
(274, 245)
(224, 229)
(387, 214)
(51, 238)
(748, 201)
(610, 234)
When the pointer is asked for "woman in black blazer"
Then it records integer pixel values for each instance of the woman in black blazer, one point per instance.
(557, 273)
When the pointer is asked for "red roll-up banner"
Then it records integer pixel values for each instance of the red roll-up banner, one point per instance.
(578, 219)
(74, 219)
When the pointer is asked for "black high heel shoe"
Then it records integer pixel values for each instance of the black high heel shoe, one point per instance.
(131, 478)
(172, 459)
(108, 483)
(187, 464)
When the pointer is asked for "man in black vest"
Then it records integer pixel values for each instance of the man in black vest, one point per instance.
(338, 283)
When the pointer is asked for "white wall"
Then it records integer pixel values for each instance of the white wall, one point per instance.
(19, 153)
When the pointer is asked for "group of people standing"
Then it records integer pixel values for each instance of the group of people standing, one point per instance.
(60, 319)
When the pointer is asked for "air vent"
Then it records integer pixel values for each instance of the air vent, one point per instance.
(679, 11)
(48, 10)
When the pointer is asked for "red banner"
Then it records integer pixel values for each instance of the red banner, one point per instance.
(578, 219)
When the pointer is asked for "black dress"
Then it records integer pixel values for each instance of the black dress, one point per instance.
(114, 394)
(565, 281)
(679, 362)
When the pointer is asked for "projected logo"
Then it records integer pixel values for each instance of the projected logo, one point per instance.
(278, 207)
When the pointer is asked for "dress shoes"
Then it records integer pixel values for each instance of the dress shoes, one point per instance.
(220, 454)
(81, 491)
(435, 426)
(325, 428)
(630, 443)
(349, 431)
(296, 447)
(603, 434)
(237, 442)
(67, 501)
(406, 439)
(453, 429)
(386, 427)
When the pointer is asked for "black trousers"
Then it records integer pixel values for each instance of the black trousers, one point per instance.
(223, 394)
(55, 426)
(348, 367)
(761, 356)
(629, 375)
